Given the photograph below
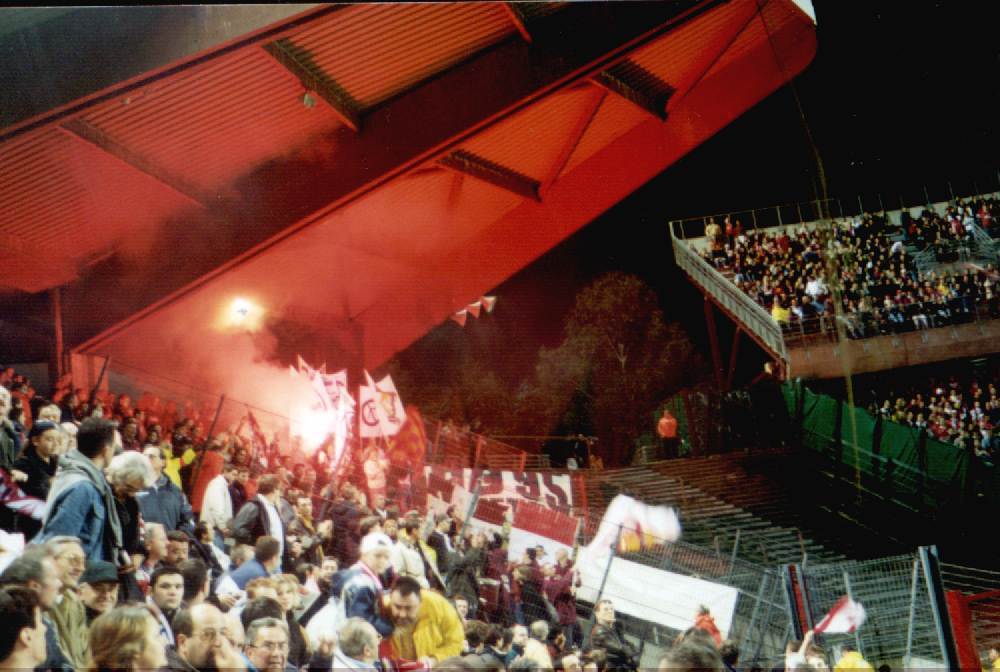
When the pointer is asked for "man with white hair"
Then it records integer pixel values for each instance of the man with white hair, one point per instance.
(360, 587)
(357, 646)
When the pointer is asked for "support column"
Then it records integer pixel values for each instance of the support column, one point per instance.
(56, 354)
(734, 353)
(713, 339)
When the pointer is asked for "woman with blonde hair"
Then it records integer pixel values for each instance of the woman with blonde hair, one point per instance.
(288, 597)
(126, 638)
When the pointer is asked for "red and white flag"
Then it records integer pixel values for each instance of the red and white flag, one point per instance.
(846, 616)
(14, 499)
(537, 525)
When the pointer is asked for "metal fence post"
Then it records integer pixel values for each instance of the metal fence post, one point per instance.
(748, 633)
(913, 613)
(850, 596)
(939, 608)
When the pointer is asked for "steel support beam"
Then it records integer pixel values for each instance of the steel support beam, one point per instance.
(713, 340)
(468, 163)
(734, 353)
(87, 132)
(638, 86)
(314, 80)
(517, 18)
(684, 88)
(581, 126)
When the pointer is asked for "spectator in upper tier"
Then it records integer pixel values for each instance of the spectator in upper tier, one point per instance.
(163, 502)
(81, 503)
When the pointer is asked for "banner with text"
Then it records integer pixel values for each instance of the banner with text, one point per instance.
(499, 491)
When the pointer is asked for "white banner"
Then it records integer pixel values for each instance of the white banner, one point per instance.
(655, 595)
(521, 540)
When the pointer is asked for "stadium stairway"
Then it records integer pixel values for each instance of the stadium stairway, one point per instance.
(761, 504)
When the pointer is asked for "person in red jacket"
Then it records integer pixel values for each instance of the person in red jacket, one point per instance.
(704, 621)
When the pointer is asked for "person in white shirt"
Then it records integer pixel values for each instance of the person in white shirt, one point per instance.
(217, 505)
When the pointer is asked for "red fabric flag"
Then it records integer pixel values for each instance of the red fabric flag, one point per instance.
(408, 448)
(211, 466)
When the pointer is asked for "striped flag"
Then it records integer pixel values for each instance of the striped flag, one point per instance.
(14, 499)
(537, 525)
(845, 617)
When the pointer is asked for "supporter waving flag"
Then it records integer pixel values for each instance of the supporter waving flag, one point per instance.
(14, 499)
(845, 617)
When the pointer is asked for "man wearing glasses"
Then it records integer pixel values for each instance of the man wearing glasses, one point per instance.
(203, 643)
(267, 645)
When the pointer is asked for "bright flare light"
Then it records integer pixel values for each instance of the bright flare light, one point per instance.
(312, 426)
(241, 314)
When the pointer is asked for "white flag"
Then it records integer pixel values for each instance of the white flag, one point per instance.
(336, 387)
(391, 414)
(368, 420)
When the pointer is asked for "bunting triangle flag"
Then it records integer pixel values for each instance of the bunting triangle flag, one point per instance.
(460, 317)
(473, 308)
(488, 303)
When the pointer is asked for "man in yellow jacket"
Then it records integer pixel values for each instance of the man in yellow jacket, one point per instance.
(426, 627)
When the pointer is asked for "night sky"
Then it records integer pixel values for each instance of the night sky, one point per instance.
(900, 95)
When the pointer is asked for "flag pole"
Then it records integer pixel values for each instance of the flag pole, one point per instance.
(604, 581)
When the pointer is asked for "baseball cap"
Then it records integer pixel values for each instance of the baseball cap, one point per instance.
(99, 571)
(374, 541)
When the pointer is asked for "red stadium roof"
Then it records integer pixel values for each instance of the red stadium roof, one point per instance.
(379, 166)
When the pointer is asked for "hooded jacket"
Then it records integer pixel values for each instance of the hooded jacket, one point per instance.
(81, 504)
(360, 591)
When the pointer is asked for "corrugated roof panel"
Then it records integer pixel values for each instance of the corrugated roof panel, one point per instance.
(616, 117)
(531, 141)
(216, 121)
(64, 193)
(375, 51)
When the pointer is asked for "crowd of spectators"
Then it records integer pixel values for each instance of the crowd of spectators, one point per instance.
(788, 271)
(196, 553)
(961, 410)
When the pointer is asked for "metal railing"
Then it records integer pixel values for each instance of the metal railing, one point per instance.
(750, 313)
(897, 594)
(861, 325)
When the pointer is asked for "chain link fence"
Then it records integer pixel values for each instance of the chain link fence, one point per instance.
(896, 592)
